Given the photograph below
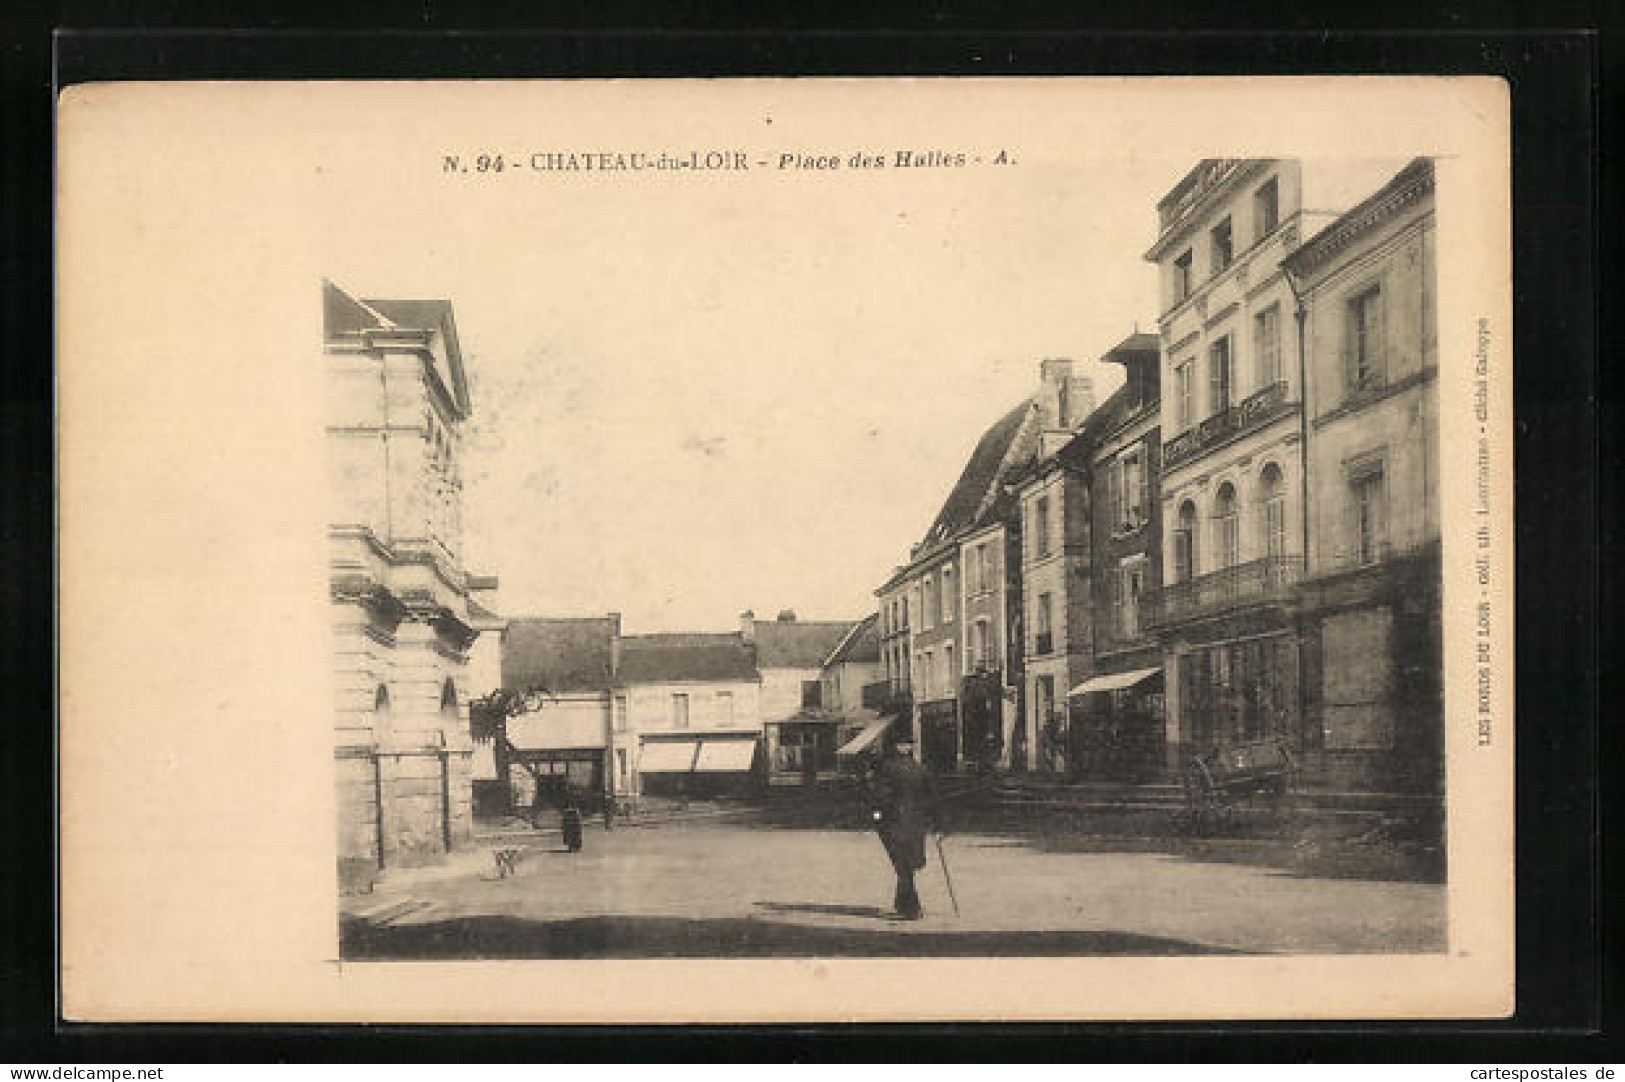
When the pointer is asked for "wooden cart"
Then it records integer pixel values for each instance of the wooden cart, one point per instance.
(1216, 782)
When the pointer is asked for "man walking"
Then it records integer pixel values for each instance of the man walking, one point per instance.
(902, 798)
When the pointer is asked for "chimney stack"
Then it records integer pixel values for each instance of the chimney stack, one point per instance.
(1065, 396)
(787, 616)
(747, 626)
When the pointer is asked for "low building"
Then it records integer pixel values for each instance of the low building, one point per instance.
(1370, 599)
(562, 671)
(790, 654)
(687, 713)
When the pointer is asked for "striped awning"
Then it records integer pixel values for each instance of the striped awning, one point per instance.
(668, 756)
(718, 756)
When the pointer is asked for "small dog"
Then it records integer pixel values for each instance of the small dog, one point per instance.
(507, 861)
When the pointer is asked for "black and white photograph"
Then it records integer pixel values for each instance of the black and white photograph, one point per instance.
(1048, 523)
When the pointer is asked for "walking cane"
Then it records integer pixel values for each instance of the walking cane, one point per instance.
(942, 858)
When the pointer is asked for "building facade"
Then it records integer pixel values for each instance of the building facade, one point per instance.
(1058, 625)
(800, 734)
(563, 670)
(1232, 453)
(1371, 600)
(923, 604)
(399, 591)
(1118, 717)
(687, 714)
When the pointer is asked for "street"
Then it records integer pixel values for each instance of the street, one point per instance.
(729, 888)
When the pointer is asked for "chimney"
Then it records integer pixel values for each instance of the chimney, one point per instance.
(1065, 396)
(787, 616)
(747, 626)
(614, 644)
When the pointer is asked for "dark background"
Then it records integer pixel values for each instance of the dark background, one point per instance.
(1567, 438)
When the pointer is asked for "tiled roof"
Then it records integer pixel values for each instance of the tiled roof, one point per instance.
(673, 658)
(561, 655)
(798, 644)
(862, 642)
(978, 484)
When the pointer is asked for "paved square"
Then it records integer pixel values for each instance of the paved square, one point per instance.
(727, 889)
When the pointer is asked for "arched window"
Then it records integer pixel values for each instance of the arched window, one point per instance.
(1185, 543)
(1272, 502)
(1227, 531)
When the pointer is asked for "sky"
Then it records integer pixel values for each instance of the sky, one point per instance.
(693, 397)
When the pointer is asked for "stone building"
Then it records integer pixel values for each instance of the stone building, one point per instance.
(1370, 599)
(400, 592)
(1117, 716)
(1232, 449)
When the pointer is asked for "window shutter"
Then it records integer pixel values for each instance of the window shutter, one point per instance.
(1143, 511)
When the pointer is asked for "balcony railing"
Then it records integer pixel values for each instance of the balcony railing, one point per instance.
(1043, 643)
(1269, 579)
(1253, 411)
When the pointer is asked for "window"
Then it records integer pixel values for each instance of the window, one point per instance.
(1129, 489)
(982, 643)
(812, 694)
(1182, 277)
(1219, 376)
(928, 603)
(904, 624)
(950, 674)
(1131, 585)
(679, 711)
(1365, 338)
(1273, 495)
(928, 675)
(1266, 208)
(948, 598)
(1368, 518)
(1182, 393)
(1225, 521)
(1044, 633)
(1041, 527)
(1267, 345)
(1223, 247)
(1185, 543)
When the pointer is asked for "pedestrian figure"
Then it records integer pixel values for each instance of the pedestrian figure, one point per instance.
(570, 823)
(902, 798)
(609, 813)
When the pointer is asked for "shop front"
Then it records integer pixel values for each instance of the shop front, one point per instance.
(1119, 725)
(715, 764)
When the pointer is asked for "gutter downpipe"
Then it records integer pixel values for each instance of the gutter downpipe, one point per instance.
(1300, 316)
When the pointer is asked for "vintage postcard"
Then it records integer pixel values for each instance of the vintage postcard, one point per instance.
(786, 550)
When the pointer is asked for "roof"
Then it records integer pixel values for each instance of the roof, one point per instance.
(798, 644)
(343, 313)
(862, 642)
(561, 655)
(978, 484)
(684, 658)
(1402, 189)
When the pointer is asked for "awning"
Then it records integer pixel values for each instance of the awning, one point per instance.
(725, 755)
(864, 740)
(1114, 681)
(668, 756)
